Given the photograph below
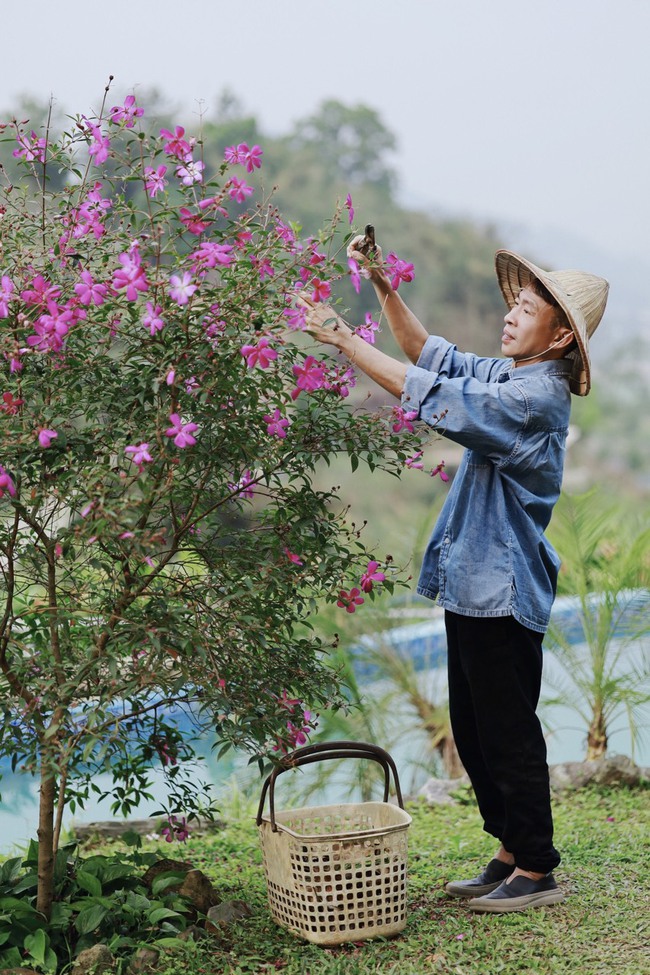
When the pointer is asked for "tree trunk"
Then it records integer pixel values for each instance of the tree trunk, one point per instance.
(597, 737)
(45, 833)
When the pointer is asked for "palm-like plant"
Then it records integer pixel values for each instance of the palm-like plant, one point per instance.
(603, 670)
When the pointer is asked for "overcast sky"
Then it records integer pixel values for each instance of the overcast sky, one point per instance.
(532, 113)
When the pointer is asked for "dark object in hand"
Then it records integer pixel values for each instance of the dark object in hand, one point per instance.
(368, 245)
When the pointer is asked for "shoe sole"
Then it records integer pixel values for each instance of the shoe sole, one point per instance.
(508, 904)
(458, 890)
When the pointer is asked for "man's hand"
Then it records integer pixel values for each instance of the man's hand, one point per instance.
(323, 323)
(370, 263)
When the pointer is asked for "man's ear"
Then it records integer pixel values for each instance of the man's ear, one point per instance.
(564, 339)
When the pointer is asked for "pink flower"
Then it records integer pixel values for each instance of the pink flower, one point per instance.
(414, 462)
(45, 437)
(33, 151)
(7, 486)
(400, 270)
(170, 377)
(322, 290)
(370, 576)
(292, 556)
(264, 267)
(51, 328)
(341, 381)
(100, 144)
(181, 432)
(9, 404)
(350, 600)
(296, 318)
(403, 419)
(440, 469)
(367, 331)
(252, 158)
(276, 424)
(176, 144)
(89, 291)
(259, 355)
(238, 190)
(242, 488)
(182, 289)
(193, 221)
(311, 375)
(191, 172)
(131, 275)
(348, 203)
(152, 320)
(41, 292)
(355, 276)
(154, 180)
(176, 829)
(210, 254)
(127, 113)
(6, 295)
(139, 454)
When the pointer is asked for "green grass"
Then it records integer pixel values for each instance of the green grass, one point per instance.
(602, 928)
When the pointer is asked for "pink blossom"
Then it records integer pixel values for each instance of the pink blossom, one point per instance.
(182, 289)
(367, 331)
(170, 377)
(399, 270)
(33, 151)
(355, 276)
(154, 180)
(42, 292)
(131, 275)
(6, 295)
(100, 145)
(242, 488)
(176, 144)
(9, 404)
(45, 437)
(341, 380)
(415, 462)
(292, 556)
(152, 320)
(264, 267)
(403, 419)
(193, 221)
(370, 576)
(234, 155)
(139, 454)
(259, 355)
(440, 469)
(296, 318)
(285, 233)
(7, 486)
(51, 329)
(89, 291)
(350, 208)
(243, 238)
(191, 172)
(127, 113)
(322, 290)
(350, 600)
(210, 254)
(181, 432)
(238, 189)
(276, 424)
(311, 375)
(252, 158)
(176, 829)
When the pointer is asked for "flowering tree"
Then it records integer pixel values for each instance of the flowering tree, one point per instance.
(161, 538)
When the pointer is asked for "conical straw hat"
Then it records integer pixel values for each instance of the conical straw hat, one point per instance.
(581, 296)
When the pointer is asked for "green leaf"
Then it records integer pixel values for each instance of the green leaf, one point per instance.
(90, 883)
(36, 944)
(160, 913)
(90, 918)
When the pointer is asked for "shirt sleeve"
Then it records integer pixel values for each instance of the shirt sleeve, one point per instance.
(465, 401)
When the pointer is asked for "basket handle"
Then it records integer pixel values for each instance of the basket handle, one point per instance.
(323, 751)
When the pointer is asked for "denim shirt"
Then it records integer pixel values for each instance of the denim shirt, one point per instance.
(488, 555)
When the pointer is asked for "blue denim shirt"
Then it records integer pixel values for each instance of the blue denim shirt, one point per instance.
(488, 555)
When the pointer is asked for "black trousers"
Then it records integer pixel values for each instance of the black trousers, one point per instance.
(495, 676)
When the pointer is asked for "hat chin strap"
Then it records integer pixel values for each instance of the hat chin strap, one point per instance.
(527, 358)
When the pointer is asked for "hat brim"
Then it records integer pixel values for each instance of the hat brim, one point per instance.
(514, 273)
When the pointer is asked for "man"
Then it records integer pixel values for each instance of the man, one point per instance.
(488, 563)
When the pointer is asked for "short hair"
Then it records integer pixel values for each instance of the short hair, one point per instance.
(561, 319)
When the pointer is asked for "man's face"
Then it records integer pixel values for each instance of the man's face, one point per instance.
(530, 328)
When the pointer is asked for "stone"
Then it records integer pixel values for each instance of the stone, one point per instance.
(440, 791)
(144, 960)
(611, 770)
(94, 961)
(166, 865)
(199, 891)
(18, 971)
(193, 933)
(225, 914)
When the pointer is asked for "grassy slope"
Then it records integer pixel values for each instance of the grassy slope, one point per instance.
(602, 929)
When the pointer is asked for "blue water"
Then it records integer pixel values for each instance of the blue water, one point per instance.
(425, 644)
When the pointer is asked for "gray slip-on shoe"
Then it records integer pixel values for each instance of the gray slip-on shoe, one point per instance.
(489, 879)
(518, 895)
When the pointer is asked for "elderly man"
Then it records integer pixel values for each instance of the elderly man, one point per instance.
(488, 562)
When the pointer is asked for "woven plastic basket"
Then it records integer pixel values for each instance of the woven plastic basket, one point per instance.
(336, 873)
